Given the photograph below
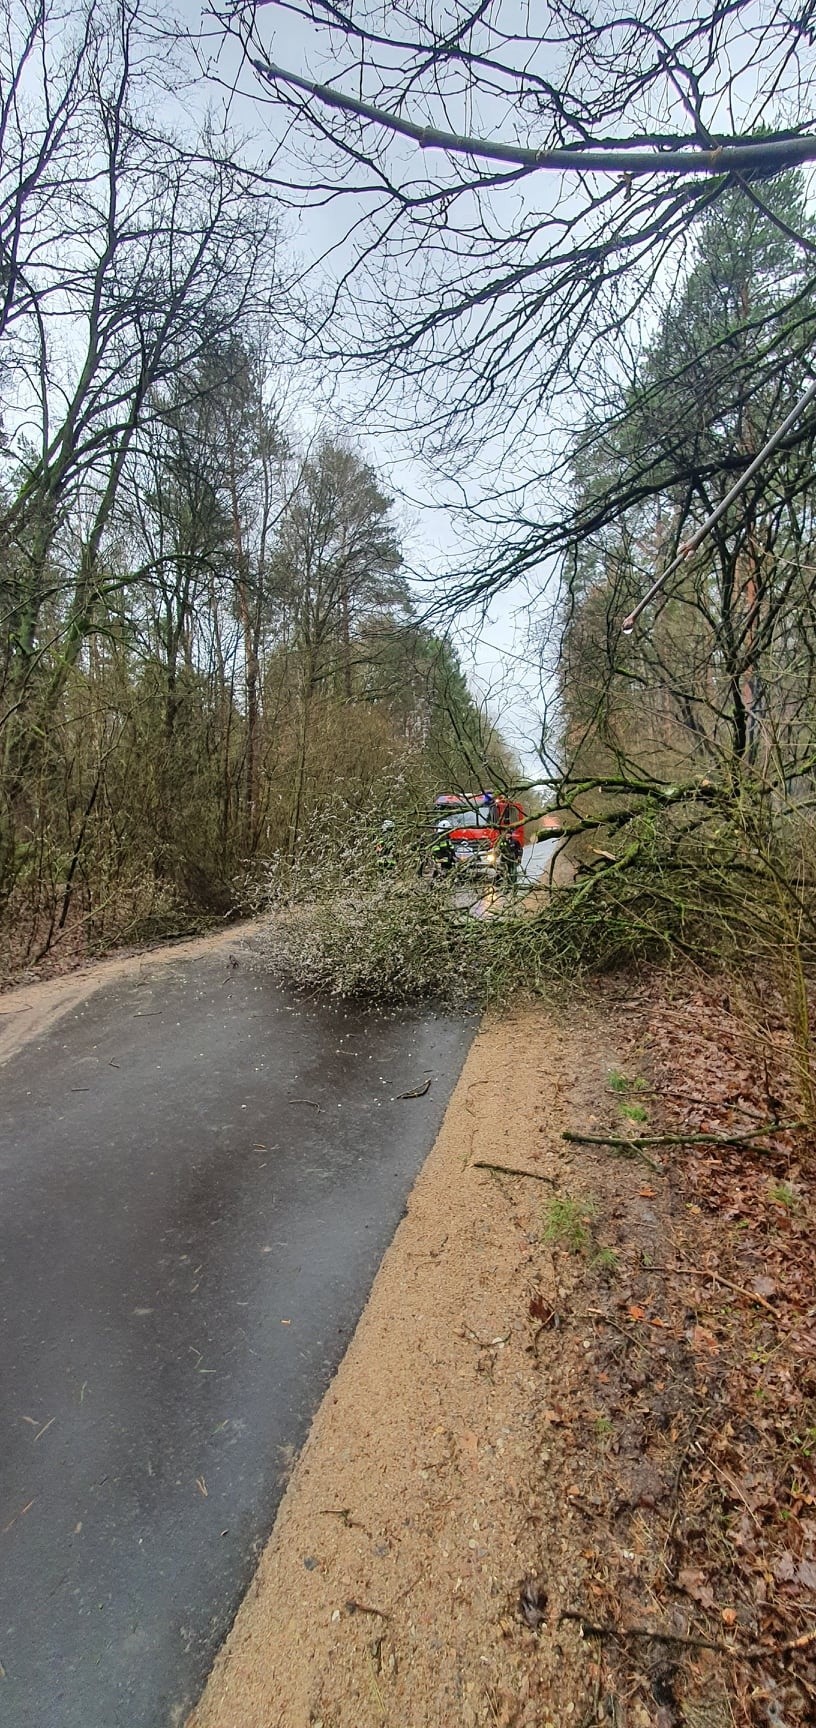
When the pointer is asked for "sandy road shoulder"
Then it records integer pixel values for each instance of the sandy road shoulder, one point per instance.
(387, 1592)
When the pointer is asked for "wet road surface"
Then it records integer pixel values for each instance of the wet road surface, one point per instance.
(199, 1176)
(486, 900)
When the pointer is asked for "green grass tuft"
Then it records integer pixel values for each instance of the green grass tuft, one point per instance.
(606, 1260)
(567, 1223)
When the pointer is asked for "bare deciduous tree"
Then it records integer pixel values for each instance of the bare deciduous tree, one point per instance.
(524, 190)
(127, 254)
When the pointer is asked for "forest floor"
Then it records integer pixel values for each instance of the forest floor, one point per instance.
(566, 1473)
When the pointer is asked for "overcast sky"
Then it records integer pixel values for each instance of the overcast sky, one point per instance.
(496, 652)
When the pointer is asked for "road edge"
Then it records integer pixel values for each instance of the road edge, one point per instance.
(425, 1423)
(28, 1011)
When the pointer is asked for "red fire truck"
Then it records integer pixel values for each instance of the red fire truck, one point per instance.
(478, 834)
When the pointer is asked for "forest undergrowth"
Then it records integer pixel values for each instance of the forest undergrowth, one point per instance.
(693, 1414)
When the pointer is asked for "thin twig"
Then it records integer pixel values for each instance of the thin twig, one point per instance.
(628, 1148)
(343, 1512)
(754, 1653)
(416, 1091)
(591, 1631)
(636, 1142)
(800, 1643)
(714, 1278)
(510, 1170)
(733, 1485)
(625, 1332)
(687, 1449)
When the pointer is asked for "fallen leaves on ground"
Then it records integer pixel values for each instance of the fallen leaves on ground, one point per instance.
(692, 1403)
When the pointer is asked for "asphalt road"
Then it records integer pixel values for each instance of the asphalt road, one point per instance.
(537, 858)
(199, 1176)
(485, 900)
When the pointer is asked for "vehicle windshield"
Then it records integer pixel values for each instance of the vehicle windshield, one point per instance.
(467, 816)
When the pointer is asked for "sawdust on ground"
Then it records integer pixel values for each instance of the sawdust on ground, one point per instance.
(426, 1549)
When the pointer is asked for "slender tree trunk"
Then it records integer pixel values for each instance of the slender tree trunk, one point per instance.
(251, 667)
(345, 640)
(302, 756)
